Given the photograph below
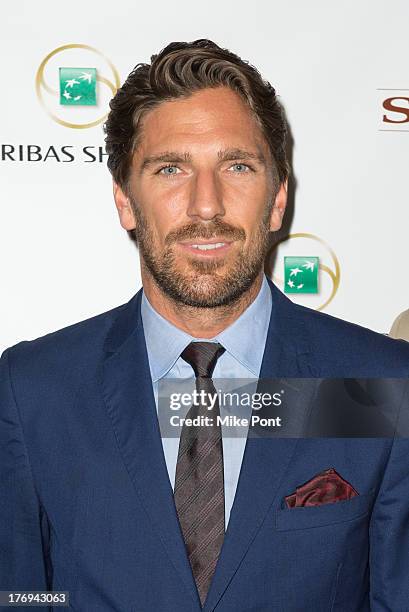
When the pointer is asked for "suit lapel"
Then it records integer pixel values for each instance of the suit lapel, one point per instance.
(265, 461)
(128, 394)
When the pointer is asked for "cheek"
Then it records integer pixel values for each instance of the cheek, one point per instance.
(171, 201)
(248, 211)
(165, 215)
(247, 194)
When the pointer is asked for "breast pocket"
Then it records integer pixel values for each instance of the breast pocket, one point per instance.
(326, 514)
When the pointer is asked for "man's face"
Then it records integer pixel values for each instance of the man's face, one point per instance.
(203, 196)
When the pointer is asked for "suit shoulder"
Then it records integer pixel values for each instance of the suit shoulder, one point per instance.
(354, 344)
(71, 344)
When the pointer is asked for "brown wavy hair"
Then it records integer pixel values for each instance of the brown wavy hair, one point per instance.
(179, 70)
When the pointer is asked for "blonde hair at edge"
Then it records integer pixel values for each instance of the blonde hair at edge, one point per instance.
(400, 327)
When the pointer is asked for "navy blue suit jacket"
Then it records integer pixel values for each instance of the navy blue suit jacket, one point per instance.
(86, 504)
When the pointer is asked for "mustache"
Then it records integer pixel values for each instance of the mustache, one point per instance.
(205, 231)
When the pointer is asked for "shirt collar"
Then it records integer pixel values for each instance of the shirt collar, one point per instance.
(244, 339)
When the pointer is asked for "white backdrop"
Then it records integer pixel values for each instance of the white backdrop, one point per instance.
(64, 256)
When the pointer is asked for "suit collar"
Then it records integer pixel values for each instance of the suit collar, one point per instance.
(287, 328)
(288, 345)
(246, 348)
(126, 322)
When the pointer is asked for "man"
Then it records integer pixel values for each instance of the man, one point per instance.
(400, 327)
(93, 501)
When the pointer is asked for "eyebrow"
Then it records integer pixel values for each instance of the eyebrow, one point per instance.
(166, 156)
(180, 158)
(232, 154)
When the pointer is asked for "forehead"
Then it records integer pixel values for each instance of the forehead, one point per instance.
(211, 118)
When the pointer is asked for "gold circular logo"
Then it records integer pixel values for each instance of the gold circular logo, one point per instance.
(332, 271)
(49, 94)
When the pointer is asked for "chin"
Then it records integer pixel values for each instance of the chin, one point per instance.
(206, 290)
(213, 283)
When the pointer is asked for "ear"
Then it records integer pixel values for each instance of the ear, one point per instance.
(278, 210)
(123, 205)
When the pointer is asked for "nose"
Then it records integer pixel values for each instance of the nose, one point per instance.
(206, 197)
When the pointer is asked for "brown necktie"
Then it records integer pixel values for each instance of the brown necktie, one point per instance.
(199, 483)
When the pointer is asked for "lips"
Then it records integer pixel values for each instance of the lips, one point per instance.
(206, 247)
(209, 246)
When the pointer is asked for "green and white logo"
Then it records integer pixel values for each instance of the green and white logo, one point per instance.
(301, 274)
(78, 86)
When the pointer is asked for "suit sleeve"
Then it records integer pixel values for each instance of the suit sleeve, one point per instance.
(389, 535)
(24, 561)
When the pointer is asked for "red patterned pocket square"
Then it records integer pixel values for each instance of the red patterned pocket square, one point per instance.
(326, 487)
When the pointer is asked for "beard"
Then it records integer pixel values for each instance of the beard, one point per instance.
(202, 284)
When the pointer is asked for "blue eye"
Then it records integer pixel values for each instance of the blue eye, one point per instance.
(241, 168)
(169, 170)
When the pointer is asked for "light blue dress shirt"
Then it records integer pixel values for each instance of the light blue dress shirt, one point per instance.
(244, 341)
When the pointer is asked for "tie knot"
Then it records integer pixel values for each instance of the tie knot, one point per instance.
(203, 356)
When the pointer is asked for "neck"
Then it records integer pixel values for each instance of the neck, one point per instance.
(198, 322)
